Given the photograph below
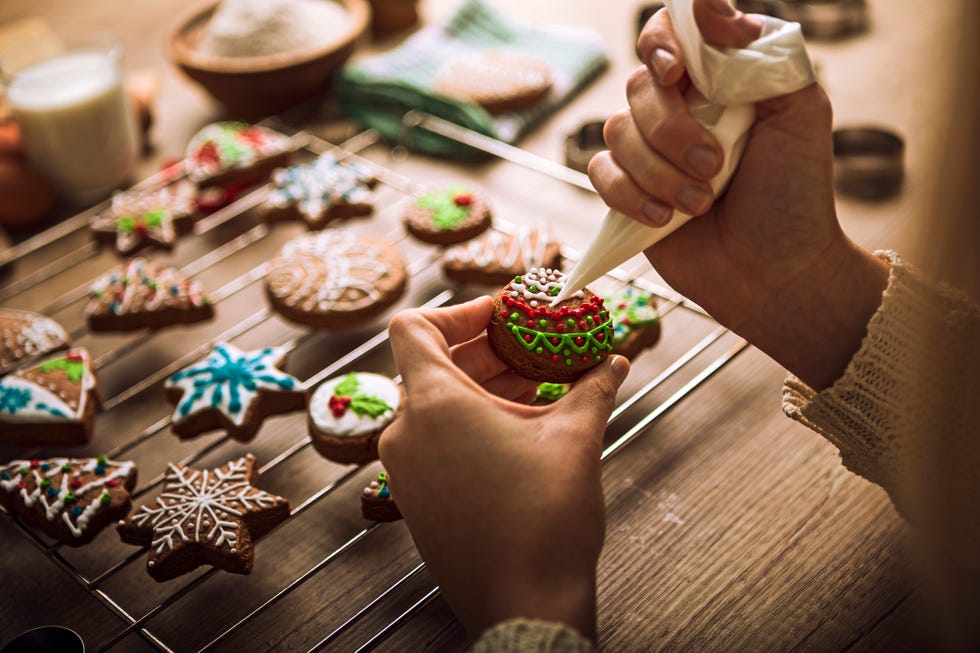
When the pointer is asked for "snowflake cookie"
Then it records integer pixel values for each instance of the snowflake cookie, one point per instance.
(69, 499)
(204, 516)
(233, 390)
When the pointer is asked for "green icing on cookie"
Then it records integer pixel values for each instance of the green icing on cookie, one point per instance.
(449, 207)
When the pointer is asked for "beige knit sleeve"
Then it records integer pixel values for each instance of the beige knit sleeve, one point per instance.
(526, 636)
(906, 412)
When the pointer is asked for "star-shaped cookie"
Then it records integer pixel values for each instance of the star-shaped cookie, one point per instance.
(140, 218)
(204, 516)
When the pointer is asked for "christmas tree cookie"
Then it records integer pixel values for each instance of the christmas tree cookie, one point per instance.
(448, 216)
(235, 154)
(147, 217)
(51, 403)
(376, 501)
(69, 499)
(495, 257)
(545, 342)
(25, 335)
(348, 413)
(232, 390)
(143, 294)
(204, 516)
(636, 322)
(319, 192)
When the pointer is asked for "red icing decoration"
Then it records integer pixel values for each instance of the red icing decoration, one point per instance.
(463, 199)
(112, 482)
(22, 485)
(207, 153)
(252, 136)
(528, 337)
(74, 356)
(75, 482)
(554, 358)
(35, 464)
(504, 313)
(579, 340)
(338, 405)
(600, 336)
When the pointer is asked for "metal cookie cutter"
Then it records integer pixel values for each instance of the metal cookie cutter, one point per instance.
(822, 19)
(584, 143)
(868, 162)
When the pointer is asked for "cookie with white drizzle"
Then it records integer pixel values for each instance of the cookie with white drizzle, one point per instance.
(636, 322)
(544, 342)
(232, 390)
(335, 279)
(52, 402)
(143, 294)
(495, 258)
(69, 499)
(376, 501)
(347, 414)
(153, 217)
(448, 216)
(204, 516)
(235, 153)
(25, 335)
(499, 80)
(319, 192)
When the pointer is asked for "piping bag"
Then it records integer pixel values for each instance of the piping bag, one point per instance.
(725, 85)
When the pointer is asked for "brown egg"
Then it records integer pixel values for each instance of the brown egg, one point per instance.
(26, 196)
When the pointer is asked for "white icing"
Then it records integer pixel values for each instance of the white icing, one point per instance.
(202, 506)
(351, 424)
(316, 186)
(545, 282)
(23, 333)
(25, 401)
(122, 289)
(273, 143)
(527, 245)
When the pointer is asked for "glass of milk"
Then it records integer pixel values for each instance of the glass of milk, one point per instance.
(75, 119)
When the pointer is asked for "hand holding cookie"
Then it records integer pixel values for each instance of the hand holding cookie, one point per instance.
(519, 535)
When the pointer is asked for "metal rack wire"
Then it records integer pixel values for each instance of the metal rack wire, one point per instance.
(94, 583)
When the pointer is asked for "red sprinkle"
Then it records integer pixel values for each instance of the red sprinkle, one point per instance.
(583, 325)
(600, 336)
(504, 313)
(579, 341)
(112, 482)
(530, 323)
(35, 464)
(463, 199)
(22, 485)
(74, 355)
(75, 482)
(585, 359)
(338, 405)
(554, 358)
(559, 327)
(528, 338)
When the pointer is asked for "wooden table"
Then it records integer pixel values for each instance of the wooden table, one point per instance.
(729, 526)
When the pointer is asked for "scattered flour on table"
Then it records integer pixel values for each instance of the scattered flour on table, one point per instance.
(250, 28)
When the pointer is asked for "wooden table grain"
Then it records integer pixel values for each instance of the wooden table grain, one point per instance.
(729, 526)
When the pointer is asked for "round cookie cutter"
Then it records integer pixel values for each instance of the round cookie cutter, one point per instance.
(584, 143)
(868, 162)
(822, 19)
(46, 639)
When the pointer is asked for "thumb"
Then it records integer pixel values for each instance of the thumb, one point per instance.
(592, 398)
(723, 26)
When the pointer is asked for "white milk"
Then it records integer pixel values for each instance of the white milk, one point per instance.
(76, 122)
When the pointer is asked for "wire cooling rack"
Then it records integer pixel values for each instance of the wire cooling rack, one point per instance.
(232, 246)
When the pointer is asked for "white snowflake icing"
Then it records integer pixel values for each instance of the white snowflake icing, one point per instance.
(316, 186)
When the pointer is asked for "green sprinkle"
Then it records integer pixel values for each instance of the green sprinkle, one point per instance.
(554, 291)
(45, 482)
(517, 279)
(105, 498)
(539, 350)
(513, 316)
(568, 361)
(571, 322)
(70, 497)
(102, 460)
(66, 467)
(543, 323)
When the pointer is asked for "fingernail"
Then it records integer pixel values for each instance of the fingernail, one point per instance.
(620, 367)
(658, 214)
(694, 199)
(703, 160)
(662, 62)
(723, 7)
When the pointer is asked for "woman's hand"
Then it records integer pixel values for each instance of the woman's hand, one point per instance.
(768, 258)
(503, 499)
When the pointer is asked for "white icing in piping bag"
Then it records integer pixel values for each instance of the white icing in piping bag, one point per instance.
(725, 85)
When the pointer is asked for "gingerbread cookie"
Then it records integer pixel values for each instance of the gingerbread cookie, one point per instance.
(235, 153)
(335, 279)
(549, 393)
(25, 335)
(636, 323)
(147, 217)
(51, 403)
(448, 216)
(319, 192)
(348, 413)
(498, 80)
(496, 258)
(542, 342)
(209, 516)
(232, 390)
(142, 294)
(69, 499)
(376, 501)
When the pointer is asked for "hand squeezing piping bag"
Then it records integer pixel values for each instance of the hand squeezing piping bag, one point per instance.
(725, 85)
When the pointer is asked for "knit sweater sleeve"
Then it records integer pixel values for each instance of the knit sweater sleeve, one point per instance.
(905, 414)
(527, 636)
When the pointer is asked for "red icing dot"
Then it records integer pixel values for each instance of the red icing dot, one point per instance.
(600, 336)
(559, 327)
(35, 464)
(528, 338)
(554, 341)
(585, 359)
(338, 405)
(505, 313)
(530, 323)
(112, 482)
(207, 153)
(75, 482)
(554, 358)
(583, 325)
(74, 356)
(463, 199)
(579, 341)
(252, 136)
(22, 485)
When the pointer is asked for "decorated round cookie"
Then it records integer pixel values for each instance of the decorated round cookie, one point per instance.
(498, 80)
(319, 192)
(152, 217)
(143, 294)
(25, 335)
(496, 257)
(335, 279)
(236, 153)
(348, 413)
(542, 342)
(636, 322)
(448, 216)
(69, 499)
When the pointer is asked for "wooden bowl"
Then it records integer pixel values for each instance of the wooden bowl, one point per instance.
(254, 87)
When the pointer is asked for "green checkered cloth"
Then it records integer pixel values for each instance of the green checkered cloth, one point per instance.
(379, 90)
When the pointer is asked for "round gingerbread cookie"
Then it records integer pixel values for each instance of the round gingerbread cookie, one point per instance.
(448, 216)
(498, 80)
(542, 342)
(335, 279)
(495, 257)
(347, 414)
(636, 322)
